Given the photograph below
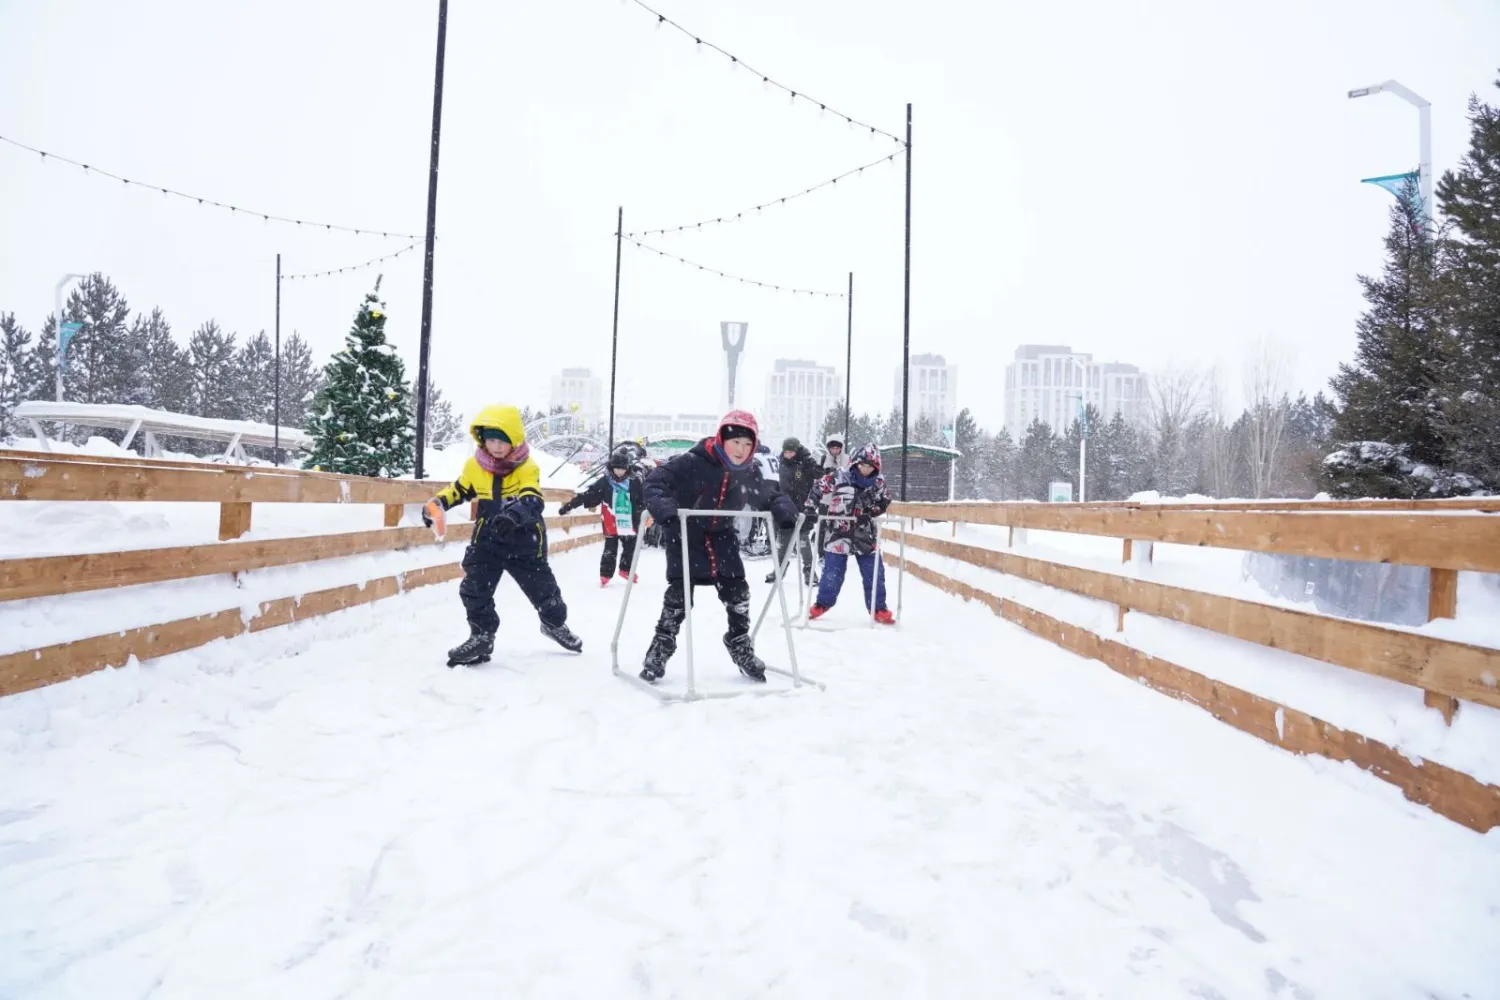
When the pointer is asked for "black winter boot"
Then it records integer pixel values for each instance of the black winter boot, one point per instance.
(475, 649)
(563, 636)
(743, 655)
(655, 664)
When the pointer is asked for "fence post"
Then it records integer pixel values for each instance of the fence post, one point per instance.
(234, 520)
(1442, 602)
(393, 512)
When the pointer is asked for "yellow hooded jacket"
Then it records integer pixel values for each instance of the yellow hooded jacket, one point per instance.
(519, 494)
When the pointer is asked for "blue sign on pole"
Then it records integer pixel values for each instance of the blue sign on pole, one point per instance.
(1401, 185)
(65, 333)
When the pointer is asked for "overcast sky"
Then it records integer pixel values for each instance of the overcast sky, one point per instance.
(1155, 182)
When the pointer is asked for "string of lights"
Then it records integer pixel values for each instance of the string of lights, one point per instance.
(766, 80)
(233, 209)
(351, 267)
(738, 216)
(735, 277)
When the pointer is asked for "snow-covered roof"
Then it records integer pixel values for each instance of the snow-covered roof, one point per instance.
(124, 416)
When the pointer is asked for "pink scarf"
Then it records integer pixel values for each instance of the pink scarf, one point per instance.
(502, 467)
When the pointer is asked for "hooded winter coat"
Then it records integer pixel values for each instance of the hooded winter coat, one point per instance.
(509, 518)
(700, 480)
(798, 474)
(846, 492)
(603, 490)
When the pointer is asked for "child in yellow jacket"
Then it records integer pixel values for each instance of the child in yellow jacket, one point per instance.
(510, 535)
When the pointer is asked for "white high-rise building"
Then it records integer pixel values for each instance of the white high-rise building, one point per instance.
(799, 395)
(1047, 381)
(934, 389)
(582, 388)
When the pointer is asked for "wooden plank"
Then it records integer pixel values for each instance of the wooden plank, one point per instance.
(34, 668)
(1446, 791)
(47, 576)
(1451, 668)
(54, 480)
(935, 510)
(1442, 602)
(1451, 540)
(234, 520)
(393, 513)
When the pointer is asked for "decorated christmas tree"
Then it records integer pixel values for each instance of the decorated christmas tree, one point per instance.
(361, 419)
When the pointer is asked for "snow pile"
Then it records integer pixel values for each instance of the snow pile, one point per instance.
(325, 810)
(1375, 468)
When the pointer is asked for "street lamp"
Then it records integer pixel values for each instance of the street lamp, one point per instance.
(1424, 118)
(62, 337)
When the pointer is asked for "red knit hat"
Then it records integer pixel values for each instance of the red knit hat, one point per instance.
(736, 422)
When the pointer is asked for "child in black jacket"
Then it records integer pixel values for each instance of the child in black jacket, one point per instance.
(718, 473)
(619, 492)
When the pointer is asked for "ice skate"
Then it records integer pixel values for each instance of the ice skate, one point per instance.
(743, 655)
(563, 636)
(475, 649)
(604, 581)
(816, 611)
(655, 664)
(884, 617)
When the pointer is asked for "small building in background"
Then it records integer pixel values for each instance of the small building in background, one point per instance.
(930, 467)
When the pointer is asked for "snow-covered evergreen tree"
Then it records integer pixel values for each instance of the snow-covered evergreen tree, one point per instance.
(101, 367)
(1037, 462)
(255, 374)
(215, 383)
(443, 426)
(362, 417)
(1470, 381)
(969, 440)
(166, 373)
(1389, 393)
(21, 377)
(300, 381)
(1000, 467)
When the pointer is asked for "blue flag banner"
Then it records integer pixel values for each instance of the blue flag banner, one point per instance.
(1400, 185)
(65, 333)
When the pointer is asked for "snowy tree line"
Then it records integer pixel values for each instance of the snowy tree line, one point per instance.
(1184, 445)
(119, 358)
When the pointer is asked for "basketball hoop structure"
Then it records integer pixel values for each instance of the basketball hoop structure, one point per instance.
(693, 694)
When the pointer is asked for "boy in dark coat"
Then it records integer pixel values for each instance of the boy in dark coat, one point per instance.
(798, 472)
(718, 473)
(509, 536)
(619, 492)
(859, 493)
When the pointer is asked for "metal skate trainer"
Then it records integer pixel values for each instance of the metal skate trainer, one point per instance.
(693, 694)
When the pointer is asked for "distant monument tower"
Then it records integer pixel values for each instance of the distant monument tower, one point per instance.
(733, 336)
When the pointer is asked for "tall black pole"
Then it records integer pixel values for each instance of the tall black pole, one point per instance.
(906, 319)
(614, 338)
(276, 417)
(432, 183)
(849, 366)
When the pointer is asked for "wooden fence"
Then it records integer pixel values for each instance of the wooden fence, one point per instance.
(62, 478)
(1445, 537)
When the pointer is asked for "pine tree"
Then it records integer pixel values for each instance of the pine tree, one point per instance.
(215, 382)
(20, 374)
(255, 377)
(101, 366)
(968, 440)
(1000, 467)
(1389, 393)
(1099, 457)
(300, 382)
(362, 417)
(443, 427)
(1037, 462)
(1122, 460)
(167, 375)
(1470, 382)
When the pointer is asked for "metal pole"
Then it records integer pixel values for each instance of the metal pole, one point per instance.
(849, 363)
(614, 342)
(432, 183)
(906, 320)
(276, 405)
(1424, 118)
(57, 321)
(687, 600)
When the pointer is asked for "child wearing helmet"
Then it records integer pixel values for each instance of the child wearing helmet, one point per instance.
(509, 535)
(718, 473)
(618, 492)
(859, 495)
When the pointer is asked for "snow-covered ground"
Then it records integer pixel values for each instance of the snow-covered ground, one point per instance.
(325, 810)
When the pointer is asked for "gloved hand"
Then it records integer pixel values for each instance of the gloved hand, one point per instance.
(571, 505)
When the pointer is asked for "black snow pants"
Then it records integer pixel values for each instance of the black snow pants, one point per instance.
(525, 559)
(626, 547)
(736, 597)
(804, 547)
